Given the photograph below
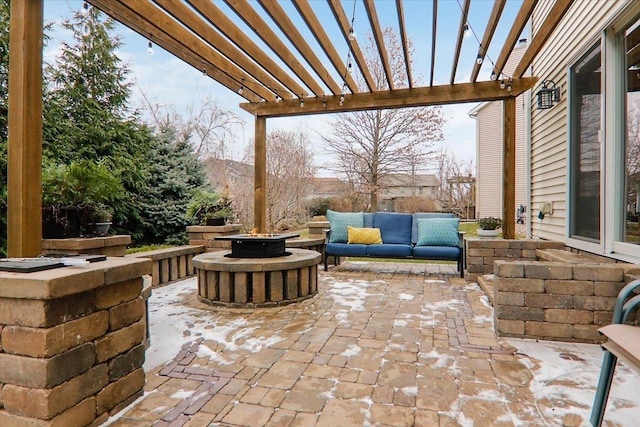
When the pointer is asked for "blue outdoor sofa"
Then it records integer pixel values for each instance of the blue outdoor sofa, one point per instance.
(429, 236)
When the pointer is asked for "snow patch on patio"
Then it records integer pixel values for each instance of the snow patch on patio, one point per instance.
(565, 376)
(173, 324)
(406, 297)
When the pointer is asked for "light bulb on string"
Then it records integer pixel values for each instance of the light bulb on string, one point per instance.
(241, 89)
(204, 72)
(301, 101)
(352, 34)
(150, 48)
(502, 84)
(342, 99)
(509, 85)
(479, 59)
(85, 8)
(465, 31)
(324, 101)
(278, 99)
(494, 76)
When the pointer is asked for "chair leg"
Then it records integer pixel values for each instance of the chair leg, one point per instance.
(604, 385)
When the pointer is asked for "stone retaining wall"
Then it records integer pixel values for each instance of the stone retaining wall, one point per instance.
(557, 301)
(170, 264)
(72, 343)
(482, 253)
(205, 235)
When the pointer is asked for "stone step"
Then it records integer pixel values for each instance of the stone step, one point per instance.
(559, 255)
(486, 284)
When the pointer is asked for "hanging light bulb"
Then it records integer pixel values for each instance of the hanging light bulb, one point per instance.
(150, 48)
(324, 101)
(494, 76)
(352, 34)
(301, 101)
(509, 85)
(85, 8)
(502, 84)
(465, 30)
(479, 59)
(278, 99)
(349, 65)
(341, 99)
(204, 72)
(241, 88)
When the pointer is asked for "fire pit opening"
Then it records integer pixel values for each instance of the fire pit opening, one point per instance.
(257, 245)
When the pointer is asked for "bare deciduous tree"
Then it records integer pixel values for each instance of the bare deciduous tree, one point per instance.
(209, 128)
(289, 172)
(369, 145)
(457, 182)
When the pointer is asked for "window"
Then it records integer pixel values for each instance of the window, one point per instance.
(632, 133)
(586, 109)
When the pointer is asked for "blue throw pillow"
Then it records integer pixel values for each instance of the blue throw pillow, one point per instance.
(340, 221)
(438, 232)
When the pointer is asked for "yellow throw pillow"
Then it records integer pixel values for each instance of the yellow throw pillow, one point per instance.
(364, 236)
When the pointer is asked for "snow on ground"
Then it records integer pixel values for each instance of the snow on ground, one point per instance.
(174, 324)
(567, 374)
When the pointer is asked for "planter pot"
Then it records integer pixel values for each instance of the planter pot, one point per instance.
(99, 227)
(60, 222)
(487, 233)
(216, 222)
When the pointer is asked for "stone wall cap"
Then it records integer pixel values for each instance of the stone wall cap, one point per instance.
(158, 254)
(213, 228)
(86, 243)
(63, 281)
(217, 261)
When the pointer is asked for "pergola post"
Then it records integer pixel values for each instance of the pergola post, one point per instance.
(24, 192)
(260, 178)
(509, 168)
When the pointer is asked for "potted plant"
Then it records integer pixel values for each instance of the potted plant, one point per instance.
(210, 208)
(100, 220)
(488, 226)
(75, 195)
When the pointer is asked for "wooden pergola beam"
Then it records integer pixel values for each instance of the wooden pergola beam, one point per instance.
(550, 23)
(317, 29)
(370, 7)
(492, 24)
(456, 54)
(512, 38)
(434, 26)
(197, 58)
(287, 26)
(24, 177)
(345, 26)
(198, 26)
(509, 168)
(260, 176)
(405, 41)
(398, 98)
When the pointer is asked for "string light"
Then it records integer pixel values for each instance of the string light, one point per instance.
(301, 101)
(85, 8)
(278, 99)
(502, 83)
(479, 59)
(241, 89)
(150, 48)
(342, 100)
(204, 71)
(494, 76)
(465, 31)
(324, 101)
(352, 34)
(509, 85)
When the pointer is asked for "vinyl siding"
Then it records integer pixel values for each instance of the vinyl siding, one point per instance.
(579, 28)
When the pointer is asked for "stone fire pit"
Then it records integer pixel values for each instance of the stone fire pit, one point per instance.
(257, 282)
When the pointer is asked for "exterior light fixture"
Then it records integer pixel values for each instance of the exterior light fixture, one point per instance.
(352, 34)
(278, 99)
(479, 59)
(241, 88)
(547, 95)
(502, 84)
(150, 48)
(301, 101)
(465, 30)
(494, 76)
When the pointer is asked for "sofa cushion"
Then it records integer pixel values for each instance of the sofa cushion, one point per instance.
(364, 236)
(339, 221)
(368, 219)
(419, 215)
(437, 252)
(438, 232)
(345, 249)
(393, 250)
(394, 227)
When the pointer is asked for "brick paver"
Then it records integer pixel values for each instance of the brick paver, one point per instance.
(382, 344)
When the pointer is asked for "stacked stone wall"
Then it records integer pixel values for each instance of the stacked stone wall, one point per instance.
(482, 253)
(205, 235)
(71, 343)
(557, 301)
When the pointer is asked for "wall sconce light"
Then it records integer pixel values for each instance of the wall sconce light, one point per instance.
(547, 95)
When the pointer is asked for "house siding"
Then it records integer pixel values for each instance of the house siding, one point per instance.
(579, 28)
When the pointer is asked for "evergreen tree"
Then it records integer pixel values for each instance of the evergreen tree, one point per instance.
(175, 174)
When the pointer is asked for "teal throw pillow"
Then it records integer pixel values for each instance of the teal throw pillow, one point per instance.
(340, 221)
(438, 232)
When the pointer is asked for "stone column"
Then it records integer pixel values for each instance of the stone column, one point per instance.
(72, 343)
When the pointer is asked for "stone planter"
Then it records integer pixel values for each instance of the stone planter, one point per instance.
(487, 234)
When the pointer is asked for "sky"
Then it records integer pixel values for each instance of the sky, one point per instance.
(167, 81)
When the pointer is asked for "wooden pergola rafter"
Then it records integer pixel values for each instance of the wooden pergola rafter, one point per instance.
(284, 75)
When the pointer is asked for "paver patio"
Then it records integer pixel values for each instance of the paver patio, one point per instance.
(382, 344)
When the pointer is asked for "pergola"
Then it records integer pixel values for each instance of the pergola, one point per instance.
(207, 37)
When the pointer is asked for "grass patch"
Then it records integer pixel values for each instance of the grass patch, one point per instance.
(147, 248)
